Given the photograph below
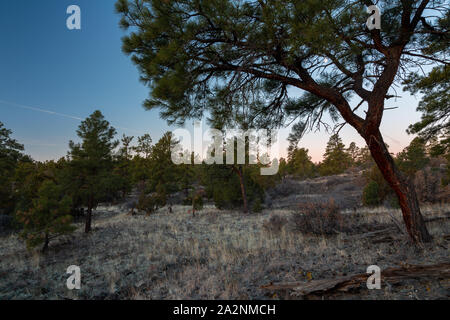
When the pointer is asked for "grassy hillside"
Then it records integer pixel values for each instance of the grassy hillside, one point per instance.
(218, 255)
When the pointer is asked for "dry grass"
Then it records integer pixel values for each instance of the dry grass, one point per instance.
(319, 218)
(216, 255)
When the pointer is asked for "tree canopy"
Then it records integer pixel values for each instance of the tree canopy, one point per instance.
(92, 161)
(200, 55)
(336, 159)
(10, 154)
(192, 52)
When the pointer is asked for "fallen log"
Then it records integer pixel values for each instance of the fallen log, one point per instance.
(344, 284)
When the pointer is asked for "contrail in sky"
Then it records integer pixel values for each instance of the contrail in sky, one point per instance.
(22, 106)
(40, 110)
(123, 128)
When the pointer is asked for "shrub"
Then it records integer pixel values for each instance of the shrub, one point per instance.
(318, 218)
(194, 200)
(187, 201)
(275, 223)
(151, 203)
(257, 206)
(384, 190)
(5, 222)
(285, 188)
(197, 202)
(371, 194)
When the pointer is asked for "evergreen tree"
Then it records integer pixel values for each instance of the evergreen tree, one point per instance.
(188, 176)
(336, 159)
(141, 162)
(364, 158)
(434, 105)
(144, 146)
(125, 150)
(10, 156)
(28, 176)
(140, 171)
(162, 176)
(48, 217)
(283, 168)
(371, 194)
(413, 158)
(300, 163)
(122, 168)
(434, 125)
(192, 52)
(376, 190)
(92, 162)
(10, 149)
(234, 185)
(353, 152)
(164, 172)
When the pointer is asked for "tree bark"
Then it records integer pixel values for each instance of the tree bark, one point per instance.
(87, 227)
(402, 186)
(243, 191)
(46, 241)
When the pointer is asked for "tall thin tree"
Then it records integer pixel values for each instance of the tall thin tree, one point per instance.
(92, 161)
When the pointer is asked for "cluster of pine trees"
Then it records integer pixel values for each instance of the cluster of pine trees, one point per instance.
(336, 160)
(218, 54)
(415, 157)
(44, 197)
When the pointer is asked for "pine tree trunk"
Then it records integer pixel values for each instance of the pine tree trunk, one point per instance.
(193, 202)
(87, 227)
(243, 191)
(47, 240)
(403, 188)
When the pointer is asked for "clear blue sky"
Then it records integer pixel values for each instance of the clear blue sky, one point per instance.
(45, 66)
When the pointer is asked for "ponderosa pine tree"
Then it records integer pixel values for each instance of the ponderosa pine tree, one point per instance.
(141, 162)
(238, 169)
(353, 152)
(300, 163)
(189, 52)
(10, 155)
(283, 168)
(221, 172)
(48, 217)
(364, 158)
(144, 146)
(92, 162)
(162, 176)
(125, 149)
(336, 159)
(434, 127)
(376, 182)
(164, 173)
(122, 167)
(413, 157)
(233, 184)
